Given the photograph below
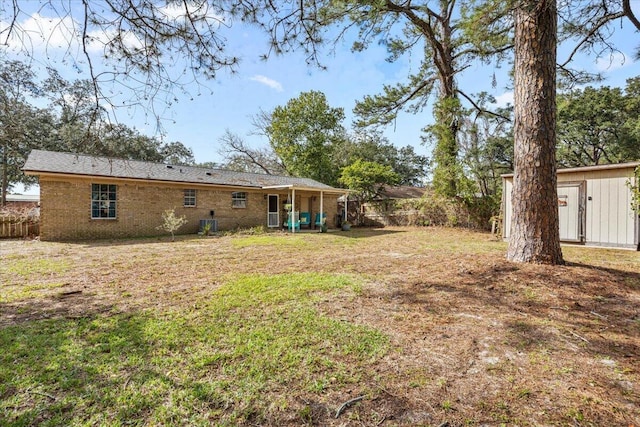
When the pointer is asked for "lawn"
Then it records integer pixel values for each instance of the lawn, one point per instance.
(388, 327)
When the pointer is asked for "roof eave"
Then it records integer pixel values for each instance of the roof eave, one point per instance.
(589, 168)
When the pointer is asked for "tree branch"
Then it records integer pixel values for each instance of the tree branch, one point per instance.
(626, 7)
(480, 109)
(597, 26)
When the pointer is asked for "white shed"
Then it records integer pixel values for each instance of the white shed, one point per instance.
(594, 206)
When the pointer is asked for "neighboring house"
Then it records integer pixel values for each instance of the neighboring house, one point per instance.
(86, 197)
(22, 201)
(393, 206)
(594, 206)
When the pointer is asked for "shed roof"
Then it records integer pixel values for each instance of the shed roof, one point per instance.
(629, 165)
(51, 162)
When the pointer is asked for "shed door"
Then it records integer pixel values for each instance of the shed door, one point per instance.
(570, 213)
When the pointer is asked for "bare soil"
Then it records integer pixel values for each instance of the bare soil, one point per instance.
(475, 340)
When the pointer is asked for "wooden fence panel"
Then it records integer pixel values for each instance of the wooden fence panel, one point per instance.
(13, 226)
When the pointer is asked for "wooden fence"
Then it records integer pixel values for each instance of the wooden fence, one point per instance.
(13, 226)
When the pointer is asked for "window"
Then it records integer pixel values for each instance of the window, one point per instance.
(103, 201)
(189, 198)
(239, 199)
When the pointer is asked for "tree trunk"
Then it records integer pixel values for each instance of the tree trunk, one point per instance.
(534, 235)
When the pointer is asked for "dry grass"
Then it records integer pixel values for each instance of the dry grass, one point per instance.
(473, 339)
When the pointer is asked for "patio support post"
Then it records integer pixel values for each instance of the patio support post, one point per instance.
(292, 220)
(321, 206)
(346, 205)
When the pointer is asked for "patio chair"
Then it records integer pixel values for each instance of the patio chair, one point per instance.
(318, 221)
(295, 223)
(305, 219)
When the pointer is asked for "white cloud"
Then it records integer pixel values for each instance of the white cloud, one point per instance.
(612, 62)
(504, 99)
(273, 84)
(198, 11)
(39, 32)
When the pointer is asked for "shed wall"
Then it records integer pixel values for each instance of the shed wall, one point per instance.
(609, 221)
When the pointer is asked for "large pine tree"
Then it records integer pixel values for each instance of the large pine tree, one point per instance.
(534, 235)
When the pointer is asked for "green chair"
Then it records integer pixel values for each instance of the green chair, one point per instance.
(305, 219)
(290, 225)
(318, 221)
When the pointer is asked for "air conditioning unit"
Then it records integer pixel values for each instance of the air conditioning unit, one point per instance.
(213, 225)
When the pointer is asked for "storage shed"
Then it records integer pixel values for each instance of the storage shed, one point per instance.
(594, 206)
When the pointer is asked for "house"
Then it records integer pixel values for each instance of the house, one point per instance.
(86, 197)
(21, 201)
(594, 206)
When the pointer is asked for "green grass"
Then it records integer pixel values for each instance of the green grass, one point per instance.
(14, 293)
(34, 267)
(218, 364)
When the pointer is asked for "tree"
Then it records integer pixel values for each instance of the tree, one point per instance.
(367, 179)
(486, 145)
(594, 127)
(240, 157)
(70, 123)
(371, 146)
(304, 134)
(146, 48)
(449, 48)
(19, 123)
(534, 235)
(437, 32)
(171, 223)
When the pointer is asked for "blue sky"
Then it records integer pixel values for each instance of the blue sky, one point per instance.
(259, 84)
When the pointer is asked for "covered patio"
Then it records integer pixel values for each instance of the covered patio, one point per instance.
(303, 207)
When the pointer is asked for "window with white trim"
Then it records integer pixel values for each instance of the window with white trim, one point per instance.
(189, 198)
(103, 201)
(238, 199)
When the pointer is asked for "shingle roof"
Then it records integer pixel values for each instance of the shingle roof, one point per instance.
(40, 161)
(401, 192)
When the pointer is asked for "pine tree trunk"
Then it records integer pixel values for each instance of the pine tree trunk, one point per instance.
(534, 235)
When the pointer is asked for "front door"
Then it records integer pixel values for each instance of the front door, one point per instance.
(570, 213)
(273, 214)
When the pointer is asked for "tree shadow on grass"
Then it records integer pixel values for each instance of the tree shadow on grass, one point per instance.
(60, 371)
(133, 368)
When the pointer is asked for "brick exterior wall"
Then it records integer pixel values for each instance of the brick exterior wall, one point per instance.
(65, 212)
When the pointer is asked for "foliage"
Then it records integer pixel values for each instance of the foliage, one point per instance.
(138, 43)
(597, 125)
(364, 145)
(371, 146)
(448, 172)
(171, 223)
(634, 187)
(304, 133)
(22, 126)
(72, 123)
(486, 147)
(367, 178)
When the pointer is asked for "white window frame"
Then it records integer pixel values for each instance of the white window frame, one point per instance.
(239, 200)
(189, 198)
